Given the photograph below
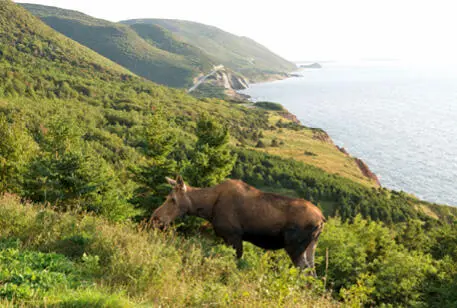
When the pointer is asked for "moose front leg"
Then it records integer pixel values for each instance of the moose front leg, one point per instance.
(309, 254)
(298, 257)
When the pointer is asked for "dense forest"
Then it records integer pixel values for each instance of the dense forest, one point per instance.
(84, 148)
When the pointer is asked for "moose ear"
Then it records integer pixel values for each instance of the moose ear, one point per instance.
(181, 183)
(171, 181)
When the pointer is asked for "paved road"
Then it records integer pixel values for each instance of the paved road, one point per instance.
(202, 79)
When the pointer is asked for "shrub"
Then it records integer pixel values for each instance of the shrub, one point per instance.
(274, 143)
(260, 144)
(269, 106)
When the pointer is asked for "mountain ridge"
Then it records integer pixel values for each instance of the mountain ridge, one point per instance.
(154, 52)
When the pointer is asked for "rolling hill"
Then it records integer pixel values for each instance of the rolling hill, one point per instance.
(238, 53)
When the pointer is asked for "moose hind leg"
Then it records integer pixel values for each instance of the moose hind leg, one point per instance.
(237, 243)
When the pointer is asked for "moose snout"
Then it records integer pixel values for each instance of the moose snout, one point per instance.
(156, 223)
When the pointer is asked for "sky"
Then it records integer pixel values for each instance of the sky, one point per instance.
(302, 30)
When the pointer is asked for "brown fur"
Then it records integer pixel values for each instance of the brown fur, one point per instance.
(239, 212)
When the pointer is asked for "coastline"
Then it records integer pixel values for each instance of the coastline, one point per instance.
(322, 136)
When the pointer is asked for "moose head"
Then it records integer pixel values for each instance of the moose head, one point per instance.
(176, 205)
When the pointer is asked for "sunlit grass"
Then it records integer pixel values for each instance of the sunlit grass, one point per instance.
(321, 154)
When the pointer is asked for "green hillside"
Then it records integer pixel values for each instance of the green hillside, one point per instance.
(240, 54)
(84, 148)
(124, 46)
(165, 40)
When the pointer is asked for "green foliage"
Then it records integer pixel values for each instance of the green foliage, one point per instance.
(441, 287)
(211, 161)
(366, 264)
(260, 144)
(308, 153)
(210, 90)
(406, 273)
(275, 143)
(443, 241)
(290, 124)
(70, 175)
(28, 274)
(16, 149)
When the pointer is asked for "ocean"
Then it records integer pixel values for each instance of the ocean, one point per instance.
(400, 119)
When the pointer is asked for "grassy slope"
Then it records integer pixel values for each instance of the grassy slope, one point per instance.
(122, 45)
(302, 145)
(240, 54)
(166, 40)
(34, 31)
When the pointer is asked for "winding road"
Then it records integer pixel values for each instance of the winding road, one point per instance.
(203, 78)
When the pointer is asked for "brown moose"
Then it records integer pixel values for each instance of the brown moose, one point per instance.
(239, 212)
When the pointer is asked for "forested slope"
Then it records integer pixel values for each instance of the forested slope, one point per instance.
(124, 46)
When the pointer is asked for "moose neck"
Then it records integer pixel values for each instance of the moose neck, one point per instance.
(203, 201)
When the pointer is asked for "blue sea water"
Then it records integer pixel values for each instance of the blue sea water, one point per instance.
(400, 119)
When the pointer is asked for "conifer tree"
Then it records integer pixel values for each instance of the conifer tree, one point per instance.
(157, 144)
(211, 160)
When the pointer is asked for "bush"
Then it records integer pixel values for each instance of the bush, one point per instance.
(274, 143)
(367, 265)
(269, 106)
(260, 144)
